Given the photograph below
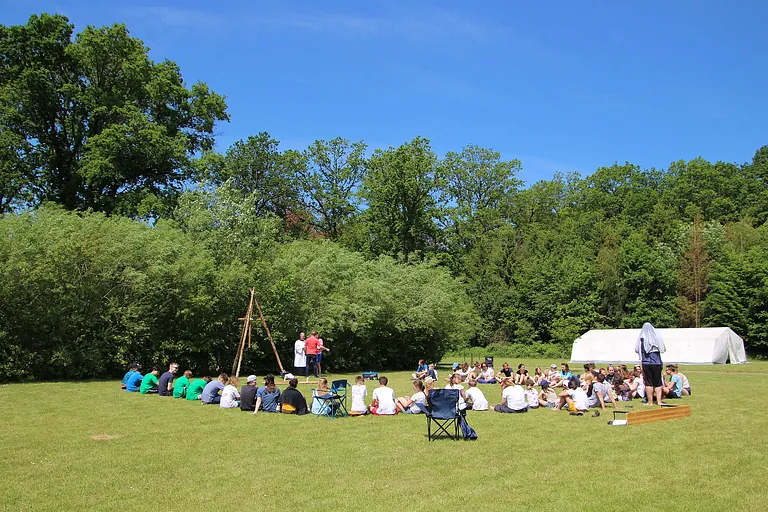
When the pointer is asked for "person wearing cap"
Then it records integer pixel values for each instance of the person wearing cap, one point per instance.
(547, 396)
(248, 394)
(134, 381)
(165, 386)
(196, 387)
(181, 384)
(133, 369)
(552, 374)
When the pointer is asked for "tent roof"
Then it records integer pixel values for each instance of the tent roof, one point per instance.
(706, 345)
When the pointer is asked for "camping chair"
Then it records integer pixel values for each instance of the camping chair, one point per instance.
(339, 394)
(443, 409)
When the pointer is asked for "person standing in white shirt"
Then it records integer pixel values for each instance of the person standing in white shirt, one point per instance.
(300, 357)
(383, 399)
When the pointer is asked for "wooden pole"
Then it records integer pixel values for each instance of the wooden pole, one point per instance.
(269, 335)
(245, 334)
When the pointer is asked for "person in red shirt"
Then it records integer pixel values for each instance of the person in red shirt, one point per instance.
(311, 350)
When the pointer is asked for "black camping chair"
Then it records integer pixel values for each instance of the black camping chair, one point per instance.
(443, 409)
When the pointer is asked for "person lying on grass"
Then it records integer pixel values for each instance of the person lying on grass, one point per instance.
(383, 399)
(230, 396)
(512, 397)
(196, 387)
(475, 397)
(150, 381)
(268, 396)
(574, 397)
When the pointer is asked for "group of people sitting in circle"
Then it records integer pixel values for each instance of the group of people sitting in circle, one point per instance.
(557, 388)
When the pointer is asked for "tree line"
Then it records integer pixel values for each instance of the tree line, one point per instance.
(127, 236)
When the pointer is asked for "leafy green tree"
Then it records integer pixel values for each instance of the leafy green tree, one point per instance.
(328, 181)
(399, 190)
(104, 126)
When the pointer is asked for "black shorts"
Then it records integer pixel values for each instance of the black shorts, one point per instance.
(652, 375)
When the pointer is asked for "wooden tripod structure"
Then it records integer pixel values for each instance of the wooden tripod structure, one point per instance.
(245, 336)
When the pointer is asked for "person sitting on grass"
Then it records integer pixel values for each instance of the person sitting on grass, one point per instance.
(476, 397)
(230, 396)
(505, 372)
(359, 392)
(553, 376)
(165, 386)
(538, 375)
(454, 382)
(149, 382)
(686, 384)
(409, 404)
(196, 387)
(487, 375)
(594, 392)
(421, 370)
(574, 397)
(531, 395)
(431, 372)
(673, 388)
(292, 400)
(463, 371)
(383, 399)
(512, 397)
(133, 369)
(211, 391)
(547, 395)
(181, 384)
(134, 381)
(248, 394)
(565, 375)
(636, 385)
(521, 375)
(268, 396)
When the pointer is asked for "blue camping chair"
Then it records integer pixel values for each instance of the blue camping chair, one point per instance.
(332, 404)
(443, 409)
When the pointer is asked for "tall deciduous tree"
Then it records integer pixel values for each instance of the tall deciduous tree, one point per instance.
(399, 190)
(105, 125)
(328, 181)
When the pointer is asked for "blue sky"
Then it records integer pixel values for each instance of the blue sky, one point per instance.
(563, 86)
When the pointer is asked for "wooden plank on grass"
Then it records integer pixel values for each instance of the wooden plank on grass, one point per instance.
(660, 414)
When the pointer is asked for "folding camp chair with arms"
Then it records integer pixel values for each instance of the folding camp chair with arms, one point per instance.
(443, 410)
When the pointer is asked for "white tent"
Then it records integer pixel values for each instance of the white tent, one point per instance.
(707, 345)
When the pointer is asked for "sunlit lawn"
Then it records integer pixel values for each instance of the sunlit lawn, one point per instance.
(170, 454)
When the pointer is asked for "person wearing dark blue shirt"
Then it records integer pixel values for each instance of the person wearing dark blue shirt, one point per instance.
(165, 386)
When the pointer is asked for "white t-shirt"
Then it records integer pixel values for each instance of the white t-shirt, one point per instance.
(359, 392)
(489, 374)
(686, 384)
(532, 398)
(386, 398)
(479, 402)
(229, 397)
(640, 387)
(299, 357)
(418, 398)
(462, 402)
(514, 397)
(580, 399)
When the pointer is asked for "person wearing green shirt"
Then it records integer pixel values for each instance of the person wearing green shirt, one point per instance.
(149, 382)
(195, 389)
(181, 385)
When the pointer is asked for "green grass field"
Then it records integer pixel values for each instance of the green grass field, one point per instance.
(169, 454)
